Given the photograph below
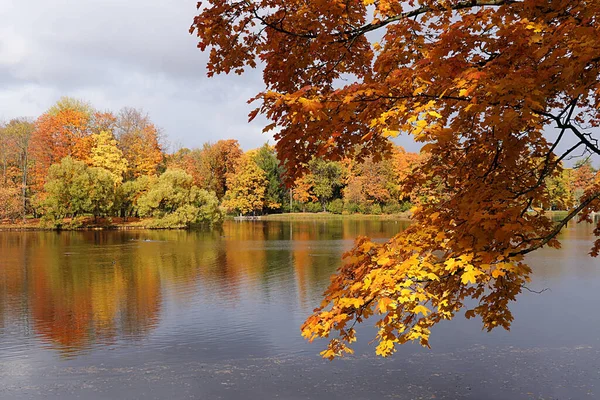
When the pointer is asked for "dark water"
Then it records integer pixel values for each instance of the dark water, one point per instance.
(175, 314)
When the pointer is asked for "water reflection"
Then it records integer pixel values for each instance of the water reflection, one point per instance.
(74, 292)
(241, 291)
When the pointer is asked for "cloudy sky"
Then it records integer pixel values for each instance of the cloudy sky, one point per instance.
(116, 53)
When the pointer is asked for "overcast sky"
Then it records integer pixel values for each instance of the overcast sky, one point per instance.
(116, 53)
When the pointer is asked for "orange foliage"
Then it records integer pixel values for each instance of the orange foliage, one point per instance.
(142, 151)
(216, 161)
(57, 135)
(479, 83)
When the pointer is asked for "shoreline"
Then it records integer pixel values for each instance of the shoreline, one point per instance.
(405, 216)
(137, 224)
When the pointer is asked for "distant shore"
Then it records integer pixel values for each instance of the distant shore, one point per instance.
(101, 224)
(326, 216)
(132, 223)
(88, 224)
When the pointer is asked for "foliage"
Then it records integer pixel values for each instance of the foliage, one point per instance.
(73, 189)
(105, 154)
(139, 140)
(189, 161)
(128, 194)
(326, 179)
(302, 190)
(559, 190)
(18, 135)
(173, 201)
(10, 205)
(100, 191)
(478, 83)
(266, 159)
(62, 131)
(336, 206)
(246, 187)
(217, 162)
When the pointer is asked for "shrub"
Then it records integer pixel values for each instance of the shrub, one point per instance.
(336, 206)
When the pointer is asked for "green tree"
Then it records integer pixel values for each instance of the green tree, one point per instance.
(326, 179)
(101, 191)
(73, 189)
(128, 194)
(266, 159)
(174, 201)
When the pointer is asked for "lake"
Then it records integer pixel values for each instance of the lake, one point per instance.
(216, 315)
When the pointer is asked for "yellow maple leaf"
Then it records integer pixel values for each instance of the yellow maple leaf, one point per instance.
(421, 309)
(470, 276)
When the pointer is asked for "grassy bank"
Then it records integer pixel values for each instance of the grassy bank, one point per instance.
(329, 216)
(35, 224)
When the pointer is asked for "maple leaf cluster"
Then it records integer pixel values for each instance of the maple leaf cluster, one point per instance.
(480, 83)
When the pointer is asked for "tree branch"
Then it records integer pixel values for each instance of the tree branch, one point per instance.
(423, 10)
(558, 227)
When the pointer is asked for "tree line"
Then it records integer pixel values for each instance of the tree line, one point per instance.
(74, 161)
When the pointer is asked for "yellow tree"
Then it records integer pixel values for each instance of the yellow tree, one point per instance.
(105, 154)
(246, 186)
(480, 83)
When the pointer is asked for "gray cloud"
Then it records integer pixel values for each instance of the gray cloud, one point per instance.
(116, 53)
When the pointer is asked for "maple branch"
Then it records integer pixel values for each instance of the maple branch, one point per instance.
(535, 291)
(280, 29)
(558, 227)
(425, 9)
(568, 125)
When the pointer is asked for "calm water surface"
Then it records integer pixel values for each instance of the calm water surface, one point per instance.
(176, 314)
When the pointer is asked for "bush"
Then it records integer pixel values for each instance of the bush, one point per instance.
(374, 209)
(353, 208)
(336, 206)
(314, 207)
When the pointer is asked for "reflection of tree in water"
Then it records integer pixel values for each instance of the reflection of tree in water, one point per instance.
(76, 290)
(84, 289)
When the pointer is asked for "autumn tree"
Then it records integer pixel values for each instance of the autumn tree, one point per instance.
(302, 190)
(217, 160)
(559, 190)
(188, 161)
(370, 182)
(498, 92)
(10, 205)
(246, 186)
(139, 140)
(7, 150)
(105, 154)
(63, 130)
(581, 175)
(20, 131)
